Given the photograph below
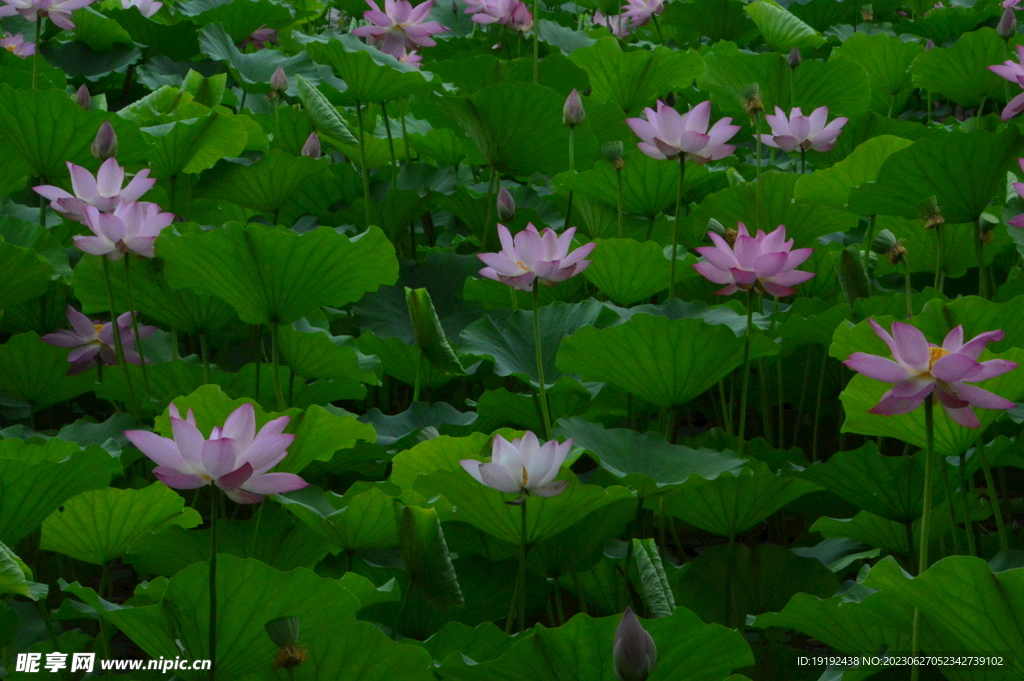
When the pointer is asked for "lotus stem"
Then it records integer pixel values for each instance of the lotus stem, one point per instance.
(869, 238)
(948, 491)
(979, 251)
(536, 41)
(726, 408)
(675, 228)
(255, 531)
(35, 54)
(204, 350)
(214, 502)
(362, 163)
(781, 387)
(42, 206)
(405, 134)
(938, 258)
(657, 27)
(993, 496)
(419, 374)
(257, 346)
(803, 161)
(485, 231)
(118, 347)
(618, 200)
(391, 148)
(906, 283)
(135, 320)
(746, 374)
(572, 169)
(104, 590)
(757, 142)
(275, 360)
(522, 565)
(926, 519)
(817, 407)
(545, 416)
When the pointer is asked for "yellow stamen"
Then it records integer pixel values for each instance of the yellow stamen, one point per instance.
(98, 327)
(934, 354)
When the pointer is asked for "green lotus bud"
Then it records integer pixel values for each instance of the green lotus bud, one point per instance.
(794, 58)
(633, 652)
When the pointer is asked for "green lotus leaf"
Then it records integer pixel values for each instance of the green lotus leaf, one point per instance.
(35, 372)
(781, 30)
(352, 522)
(887, 60)
(371, 75)
(960, 72)
(191, 146)
(833, 185)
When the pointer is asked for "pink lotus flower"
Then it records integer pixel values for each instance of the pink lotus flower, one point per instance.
(803, 132)
(533, 255)
(666, 133)
(921, 368)
(16, 45)
(512, 13)
(412, 58)
(1019, 188)
(1012, 71)
(765, 263)
(147, 7)
(522, 466)
(617, 24)
(93, 342)
(400, 26)
(235, 458)
(259, 38)
(59, 11)
(640, 12)
(1011, 4)
(104, 191)
(131, 228)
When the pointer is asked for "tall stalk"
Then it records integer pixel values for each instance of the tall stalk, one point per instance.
(545, 415)
(536, 41)
(118, 347)
(979, 251)
(214, 503)
(926, 519)
(275, 360)
(618, 199)
(135, 320)
(675, 227)
(746, 374)
(485, 232)
(362, 163)
(391, 148)
(40, 21)
(572, 170)
(993, 496)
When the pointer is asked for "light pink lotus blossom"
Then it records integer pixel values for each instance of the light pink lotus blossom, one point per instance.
(1012, 71)
(512, 13)
(147, 7)
(534, 255)
(921, 368)
(803, 132)
(131, 228)
(666, 133)
(640, 12)
(400, 26)
(104, 191)
(16, 45)
(617, 24)
(765, 263)
(1019, 188)
(58, 11)
(522, 466)
(1011, 4)
(93, 342)
(412, 58)
(235, 458)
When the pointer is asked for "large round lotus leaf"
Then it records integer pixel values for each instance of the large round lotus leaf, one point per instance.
(272, 275)
(664, 361)
(962, 171)
(581, 650)
(517, 128)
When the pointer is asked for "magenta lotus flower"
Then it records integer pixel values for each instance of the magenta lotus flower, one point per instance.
(412, 58)
(104, 191)
(803, 132)
(535, 255)
(512, 13)
(1012, 71)
(235, 458)
(147, 7)
(400, 26)
(522, 466)
(666, 133)
(16, 45)
(617, 24)
(765, 263)
(131, 228)
(93, 342)
(921, 368)
(58, 11)
(640, 12)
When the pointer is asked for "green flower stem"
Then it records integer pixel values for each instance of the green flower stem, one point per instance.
(257, 346)
(869, 239)
(803, 161)
(204, 350)
(405, 133)
(419, 375)
(515, 299)
(275, 360)
(675, 227)
(135, 319)
(214, 502)
(572, 169)
(39, 48)
(104, 593)
(938, 259)
(545, 416)
(906, 284)
(993, 496)
(255, 531)
(948, 491)
(364, 171)
(781, 387)
(522, 566)
(817, 407)
(175, 355)
(726, 409)
(118, 348)
(618, 200)
(536, 41)
(757, 141)
(43, 203)
(657, 27)
(746, 373)
(979, 251)
(391, 148)
(492, 189)
(926, 520)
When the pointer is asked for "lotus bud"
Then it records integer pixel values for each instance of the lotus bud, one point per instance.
(794, 58)
(573, 113)
(716, 227)
(312, 146)
(283, 631)
(506, 206)
(105, 144)
(634, 653)
(1007, 26)
(613, 153)
(279, 81)
(930, 45)
(82, 97)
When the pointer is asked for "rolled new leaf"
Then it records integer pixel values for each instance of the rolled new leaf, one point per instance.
(326, 120)
(428, 332)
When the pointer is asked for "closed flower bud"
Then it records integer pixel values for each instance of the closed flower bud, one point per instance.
(283, 631)
(930, 45)
(506, 206)
(82, 97)
(573, 113)
(1007, 26)
(794, 58)
(279, 81)
(312, 146)
(105, 144)
(634, 653)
